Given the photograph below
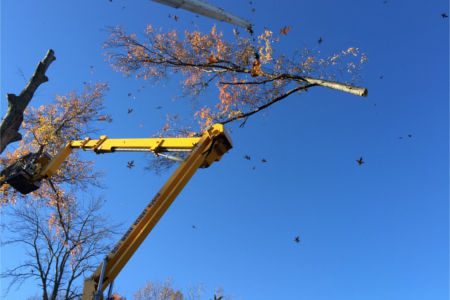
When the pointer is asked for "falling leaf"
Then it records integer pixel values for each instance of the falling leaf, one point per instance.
(285, 30)
(130, 110)
(320, 40)
(410, 135)
(256, 68)
(381, 76)
(175, 17)
(130, 164)
(444, 15)
(158, 107)
(247, 157)
(140, 125)
(193, 226)
(91, 67)
(250, 2)
(105, 118)
(297, 239)
(375, 105)
(253, 10)
(264, 160)
(196, 16)
(400, 137)
(218, 298)
(211, 59)
(254, 168)
(129, 94)
(360, 161)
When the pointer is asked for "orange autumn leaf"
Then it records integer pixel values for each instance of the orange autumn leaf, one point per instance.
(285, 30)
(211, 59)
(105, 118)
(256, 68)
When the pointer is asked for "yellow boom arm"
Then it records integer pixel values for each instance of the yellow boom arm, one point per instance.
(106, 145)
(204, 151)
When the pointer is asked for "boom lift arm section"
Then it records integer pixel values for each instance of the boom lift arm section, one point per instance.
(209, 148)
(106, 145)
(26, 173)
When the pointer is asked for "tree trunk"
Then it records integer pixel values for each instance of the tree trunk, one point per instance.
(9, 128)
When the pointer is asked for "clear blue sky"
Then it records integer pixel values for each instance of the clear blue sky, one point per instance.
(376, 231)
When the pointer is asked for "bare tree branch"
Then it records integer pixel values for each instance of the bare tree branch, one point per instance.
(9, 128)
(363, 92)
(258, 109)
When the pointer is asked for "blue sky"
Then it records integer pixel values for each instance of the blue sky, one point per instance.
(376, 231)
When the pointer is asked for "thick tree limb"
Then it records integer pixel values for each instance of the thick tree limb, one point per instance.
(9, 128)
(337, 86)
(358, 91)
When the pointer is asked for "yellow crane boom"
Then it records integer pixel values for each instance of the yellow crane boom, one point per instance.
(206, 150)
(203, 151)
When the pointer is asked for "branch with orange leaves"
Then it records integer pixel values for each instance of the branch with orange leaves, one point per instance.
(249, 75)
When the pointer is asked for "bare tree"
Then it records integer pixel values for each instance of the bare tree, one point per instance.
(158, 290)
(63, 243)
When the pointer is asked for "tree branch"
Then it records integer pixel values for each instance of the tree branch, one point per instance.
(337, 86)
(9, 128)
(279, 98)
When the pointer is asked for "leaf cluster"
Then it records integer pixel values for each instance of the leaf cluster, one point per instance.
(48, 128)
